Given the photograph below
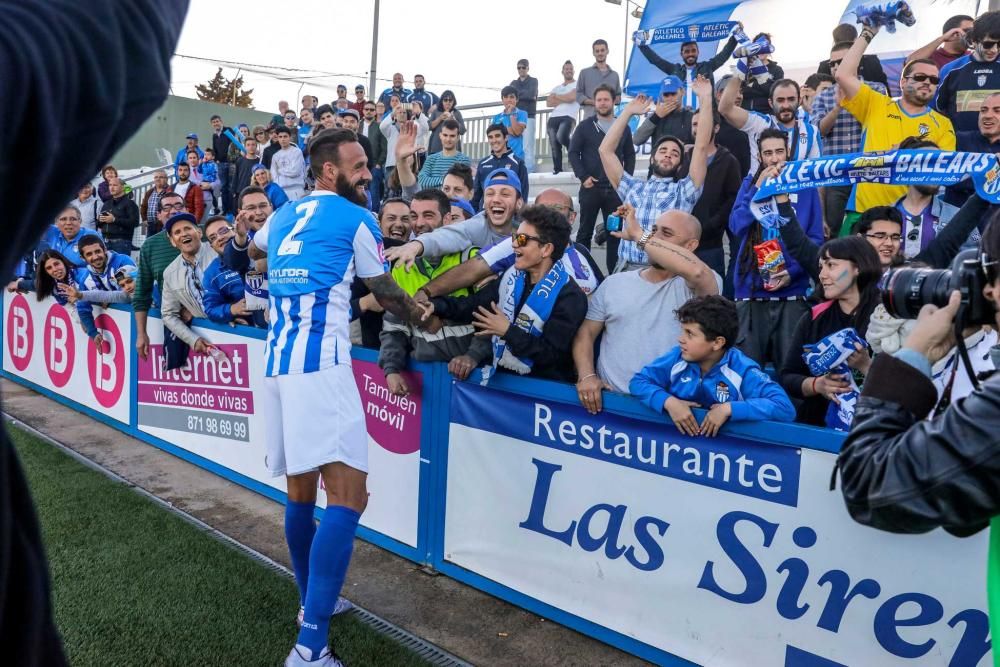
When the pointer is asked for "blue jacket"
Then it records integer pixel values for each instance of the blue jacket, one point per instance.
(736, 379)
(54, 240)
(807, 210)
(209, 172)
(182, 155)
(276, 195)
(224, 287)
(87, 280)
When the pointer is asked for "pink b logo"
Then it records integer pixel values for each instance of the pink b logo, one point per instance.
(107, 367)
(20, 332)
(59, 345)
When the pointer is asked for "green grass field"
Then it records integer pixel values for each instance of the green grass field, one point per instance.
(134, 584)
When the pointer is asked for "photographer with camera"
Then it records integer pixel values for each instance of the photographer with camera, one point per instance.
(901, 472)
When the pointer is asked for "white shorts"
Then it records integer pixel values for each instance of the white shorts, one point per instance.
(311, 419)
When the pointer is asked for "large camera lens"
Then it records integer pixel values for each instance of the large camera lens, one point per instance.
(905, 291)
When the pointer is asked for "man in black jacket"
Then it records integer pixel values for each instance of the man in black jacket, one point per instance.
(722, 183)
(130, 65)
(596, 192)
(689, 70)
(500, 157)
(220, 144)
(903, 473)
(118, 219)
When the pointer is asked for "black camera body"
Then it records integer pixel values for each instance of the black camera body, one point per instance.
(905, 291)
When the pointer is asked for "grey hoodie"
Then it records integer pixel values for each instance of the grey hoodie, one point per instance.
(475, 232)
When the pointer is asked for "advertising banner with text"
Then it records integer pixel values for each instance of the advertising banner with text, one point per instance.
(722, 551)
(45, 344)
(211, 408)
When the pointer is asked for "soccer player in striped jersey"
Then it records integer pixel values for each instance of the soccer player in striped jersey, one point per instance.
(313, 411)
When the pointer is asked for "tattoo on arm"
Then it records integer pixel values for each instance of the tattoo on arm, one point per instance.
(673, 250)
(392, 297)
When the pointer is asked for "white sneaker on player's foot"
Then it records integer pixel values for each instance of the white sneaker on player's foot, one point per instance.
(342, 605)
(298, 658)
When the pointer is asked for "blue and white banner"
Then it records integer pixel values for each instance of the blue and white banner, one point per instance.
(694, 32)
(909, 167)
(721, 551)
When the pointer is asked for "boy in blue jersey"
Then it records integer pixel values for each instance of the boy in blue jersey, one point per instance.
(312, 408)
(705, 370)
(514, 119)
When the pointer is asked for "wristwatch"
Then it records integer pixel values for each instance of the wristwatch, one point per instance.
(644, 239)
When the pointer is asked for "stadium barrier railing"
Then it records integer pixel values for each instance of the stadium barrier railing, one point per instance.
(680, 550)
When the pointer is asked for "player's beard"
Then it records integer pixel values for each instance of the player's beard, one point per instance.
(349, 190)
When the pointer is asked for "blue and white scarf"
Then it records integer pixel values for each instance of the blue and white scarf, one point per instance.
(533, 316)
(695, 32)
(830, 355)
(747, 56)
(900, 167)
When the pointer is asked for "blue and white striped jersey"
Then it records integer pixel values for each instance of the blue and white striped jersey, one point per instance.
(315, 248)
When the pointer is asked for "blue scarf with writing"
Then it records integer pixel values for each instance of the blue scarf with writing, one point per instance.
(533, 316)
(906, 167)
(830, 355)
(695, 32)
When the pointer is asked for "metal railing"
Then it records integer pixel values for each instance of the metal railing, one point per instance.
(476, 146)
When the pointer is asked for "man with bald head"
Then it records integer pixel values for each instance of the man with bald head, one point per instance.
(632, 304)
(118, 219)
(984, 139)
(498, 257)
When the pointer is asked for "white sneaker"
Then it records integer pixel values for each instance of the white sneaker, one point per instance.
(297, 658)
(343, 605)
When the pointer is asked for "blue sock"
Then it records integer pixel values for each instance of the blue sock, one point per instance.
(328, 561)
(300, 527)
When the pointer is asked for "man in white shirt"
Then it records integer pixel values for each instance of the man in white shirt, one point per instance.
(565, 108)
(288, 166)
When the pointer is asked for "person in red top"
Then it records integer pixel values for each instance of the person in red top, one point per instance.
(185, 187)
(359, 103)
(951, 45)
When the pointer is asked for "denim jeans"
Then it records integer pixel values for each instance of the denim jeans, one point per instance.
(559, 129)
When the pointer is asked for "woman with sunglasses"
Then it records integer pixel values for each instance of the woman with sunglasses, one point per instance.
(532, 331)
(445, 112)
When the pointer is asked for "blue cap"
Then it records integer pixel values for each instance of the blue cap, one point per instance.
(503, 177)
(670, 85)
(464, 205)
(260, 167)
(191, 136)
(179, 217)
(127, 271)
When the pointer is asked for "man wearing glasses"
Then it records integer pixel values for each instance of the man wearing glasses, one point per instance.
(886, 121)
(155, 255)
(841, 133)
(969, 80)
(370, 128)
(184, 278)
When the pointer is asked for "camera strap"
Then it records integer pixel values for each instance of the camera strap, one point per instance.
(963, 351)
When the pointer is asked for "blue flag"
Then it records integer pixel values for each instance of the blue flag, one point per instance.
(908, 167)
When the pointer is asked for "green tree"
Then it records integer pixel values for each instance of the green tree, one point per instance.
(225, 91)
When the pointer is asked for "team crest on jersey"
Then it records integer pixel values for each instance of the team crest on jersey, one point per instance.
(254, 281)
(981, 80)
(722, 392)
(923, 129)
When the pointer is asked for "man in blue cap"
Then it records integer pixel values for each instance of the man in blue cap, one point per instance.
(669, 116)
(191, 145)
(502, 200)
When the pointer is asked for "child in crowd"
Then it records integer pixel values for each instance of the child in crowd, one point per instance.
(210, 182)
(705, 370)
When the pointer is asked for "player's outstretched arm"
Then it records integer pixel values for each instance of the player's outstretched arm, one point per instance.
(392, 297)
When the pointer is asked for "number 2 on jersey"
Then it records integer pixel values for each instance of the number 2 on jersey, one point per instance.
(289, 246)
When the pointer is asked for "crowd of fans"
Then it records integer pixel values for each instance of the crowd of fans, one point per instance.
(683, 313)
